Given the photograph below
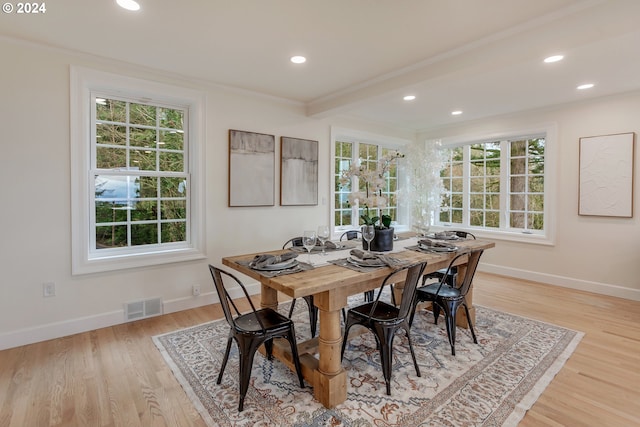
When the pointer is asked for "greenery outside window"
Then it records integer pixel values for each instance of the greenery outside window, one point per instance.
(498, 186)
(140, 145)
(140, 180)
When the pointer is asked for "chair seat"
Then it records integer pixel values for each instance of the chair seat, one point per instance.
(270, 318)
(430, 291)
(383, 312)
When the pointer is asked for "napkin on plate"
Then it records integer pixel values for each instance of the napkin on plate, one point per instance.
(264, 260)
(447, 235)
(429, 242)
(328, 245)
(374, 260)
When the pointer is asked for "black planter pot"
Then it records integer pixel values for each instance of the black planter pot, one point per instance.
(382, 241)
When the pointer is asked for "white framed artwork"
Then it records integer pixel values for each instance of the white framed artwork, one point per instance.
(606, 175)
(251, 169)
(298, 172)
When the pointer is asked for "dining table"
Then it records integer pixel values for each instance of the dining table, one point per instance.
(331, 281)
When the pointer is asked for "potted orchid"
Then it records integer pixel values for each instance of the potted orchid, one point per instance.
(370, 197)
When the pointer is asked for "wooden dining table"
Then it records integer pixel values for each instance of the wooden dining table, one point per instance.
(330, 286)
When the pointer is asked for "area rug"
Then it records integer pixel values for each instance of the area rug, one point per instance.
(491, 383)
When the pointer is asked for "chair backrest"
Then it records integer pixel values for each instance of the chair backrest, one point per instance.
(294, 241)
(472, 265)
(465, 234)
(414, 273)
(225, 299)
(350, 235)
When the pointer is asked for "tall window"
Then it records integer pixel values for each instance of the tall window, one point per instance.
(137, 172)
(345, 215)
(496, 185)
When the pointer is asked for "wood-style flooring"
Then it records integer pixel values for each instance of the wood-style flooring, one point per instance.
(116, 377)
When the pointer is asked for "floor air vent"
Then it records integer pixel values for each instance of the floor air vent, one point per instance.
(135, 310)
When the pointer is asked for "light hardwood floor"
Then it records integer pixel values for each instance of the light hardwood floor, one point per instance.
(116, 377)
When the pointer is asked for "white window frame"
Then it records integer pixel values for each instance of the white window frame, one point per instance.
(544, 237)
(356, 137)
(84, 82)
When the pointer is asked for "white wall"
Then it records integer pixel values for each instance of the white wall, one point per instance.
(597, 254)
(35, 193)
(35, 196)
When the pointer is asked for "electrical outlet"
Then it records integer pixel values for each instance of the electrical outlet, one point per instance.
(49, 289)
(195, 290)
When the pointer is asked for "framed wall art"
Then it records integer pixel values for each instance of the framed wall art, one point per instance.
(251, 169)
(298, 172)
(606, 175)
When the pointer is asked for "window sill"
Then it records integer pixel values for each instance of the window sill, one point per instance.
(122, 262)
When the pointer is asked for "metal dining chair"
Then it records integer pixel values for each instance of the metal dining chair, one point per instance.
(450, 298)
(313, 310)
(251, 330)
(384, 319)
(451, 277)
(352, 235)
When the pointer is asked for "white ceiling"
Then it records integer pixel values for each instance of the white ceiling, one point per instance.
(480, 56)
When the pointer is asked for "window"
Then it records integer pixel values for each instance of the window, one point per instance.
(138, 181)
(353, 148)
(498, 186)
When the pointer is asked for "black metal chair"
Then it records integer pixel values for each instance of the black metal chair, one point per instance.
(383, 319)
(350, 235)
(251, 330)
(313, 310)
(451, 278)
(449, 298)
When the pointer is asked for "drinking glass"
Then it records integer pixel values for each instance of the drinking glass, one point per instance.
(309, 241)
(368, 233)
(323, 236)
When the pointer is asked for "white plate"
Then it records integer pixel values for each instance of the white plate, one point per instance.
(359, 263)
(279, 266)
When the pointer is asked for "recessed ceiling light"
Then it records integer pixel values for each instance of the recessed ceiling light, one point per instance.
(554, 58)
(298, 59)
(128, 4)
(585, 86)
(456, 113)
(409, 97)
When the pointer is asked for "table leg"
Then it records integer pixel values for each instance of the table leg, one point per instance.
(268, 297)
(461, 317)
(330, 380)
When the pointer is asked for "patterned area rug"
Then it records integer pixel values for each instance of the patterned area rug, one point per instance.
(492, 383)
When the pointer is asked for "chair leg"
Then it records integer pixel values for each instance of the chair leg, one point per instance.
(293, 305)
(247, 349)
(436, 312)
(450, 309)
(294, 354)
(224, 360)
(473, 333)
(313, 315)
(385, 339)
(268, 346)
(347, 326)
(413, 354)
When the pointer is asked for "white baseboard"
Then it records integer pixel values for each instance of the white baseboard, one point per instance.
(60, 329)
(83, 324)
(563, 281)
